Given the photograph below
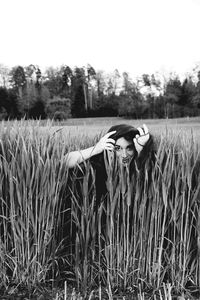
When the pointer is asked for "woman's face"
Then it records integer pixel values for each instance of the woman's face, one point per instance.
(124, 150)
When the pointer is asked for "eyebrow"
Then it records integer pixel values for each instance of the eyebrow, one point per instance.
(128, 146)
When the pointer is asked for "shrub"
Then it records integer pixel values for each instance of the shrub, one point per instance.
(58, 108)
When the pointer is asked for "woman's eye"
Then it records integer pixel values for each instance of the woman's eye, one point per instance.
(130, 148)
(117, 148)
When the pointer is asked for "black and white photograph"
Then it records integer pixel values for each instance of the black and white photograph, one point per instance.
(100, 150)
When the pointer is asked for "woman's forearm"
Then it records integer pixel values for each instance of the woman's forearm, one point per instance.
(77, 157)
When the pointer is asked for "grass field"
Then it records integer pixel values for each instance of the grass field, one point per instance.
(52, 242)
(93, 126)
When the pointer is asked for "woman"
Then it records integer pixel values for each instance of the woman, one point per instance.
(127, 147)
(125, 140)
(99, 179)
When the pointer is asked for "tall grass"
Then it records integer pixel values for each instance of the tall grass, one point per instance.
(142, 239)
(32, 173)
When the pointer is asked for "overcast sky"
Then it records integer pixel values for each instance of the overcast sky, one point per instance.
(137, 36)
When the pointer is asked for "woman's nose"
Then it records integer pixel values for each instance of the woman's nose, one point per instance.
(124, 153)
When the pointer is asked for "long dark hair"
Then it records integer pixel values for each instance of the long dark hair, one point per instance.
(138, 164)
(129, 132)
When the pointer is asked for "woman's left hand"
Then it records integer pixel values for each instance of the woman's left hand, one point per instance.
(142, 138)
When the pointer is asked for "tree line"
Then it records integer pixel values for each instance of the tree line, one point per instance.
(64, 92)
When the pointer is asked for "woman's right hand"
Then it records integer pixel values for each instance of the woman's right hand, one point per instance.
(105, 143)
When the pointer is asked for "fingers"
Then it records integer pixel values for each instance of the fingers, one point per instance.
(107, 135)
(135, 139)
(109, 147)
(106, 138)
(146, 130)
(112, 141)
(142, 130)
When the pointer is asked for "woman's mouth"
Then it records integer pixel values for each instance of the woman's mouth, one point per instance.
(125, 160)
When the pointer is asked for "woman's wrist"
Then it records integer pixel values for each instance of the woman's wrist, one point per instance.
(96, 150)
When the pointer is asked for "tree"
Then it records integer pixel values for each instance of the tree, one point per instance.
(110, 87)
(150, 87)
(188, 92)
(172, 96)
(90, 75)
(8, 104)
(67, 76)
(18, 79)
(79, 100)
(128, 86)
(33, 94)
(100, 83)
(132, 104)
(113, 81)
(54, 81)
(84, 77)
(30, 72)
(4, 76)
(78, 107)
(34, 101)
(196, 98)
(38, 77)
(146, 80)
(116, 79)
